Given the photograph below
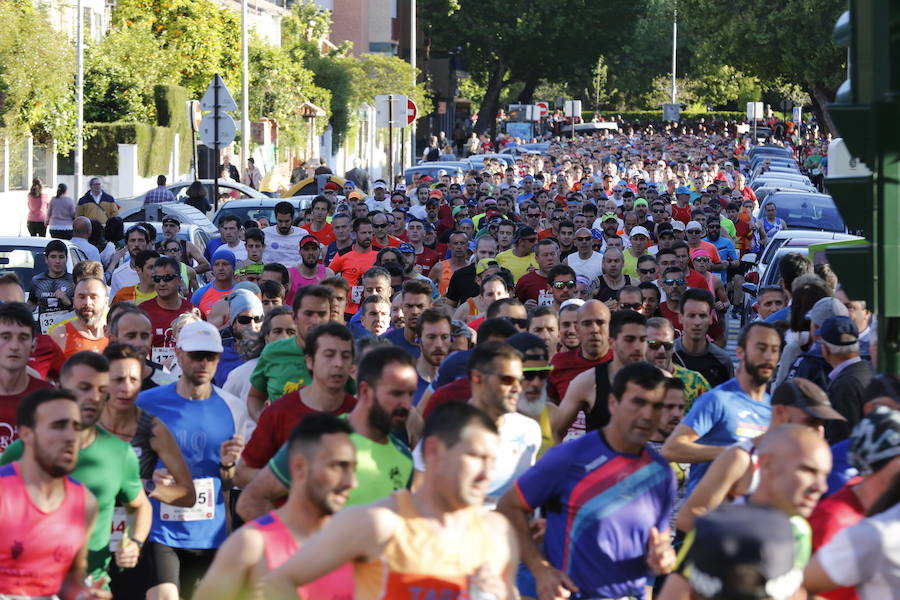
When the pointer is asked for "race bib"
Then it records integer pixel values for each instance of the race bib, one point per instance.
(202, 510)
(577, 428)
(161, 355)
(50, 319)
(545, 298)
(119, 524)
(356, 294)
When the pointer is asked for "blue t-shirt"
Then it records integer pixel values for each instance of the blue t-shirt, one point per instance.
(726, 250)
(421, 386)
(782, 315)
(453, 367)
(841, 469)
(211, 247)
(199, 427)
(600, 506)
(395, 337)
(723, 416)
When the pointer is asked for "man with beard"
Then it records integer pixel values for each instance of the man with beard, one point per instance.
(322, 463)
(106, 465)
(433, 330)
(353, 264)
(387, 383)
(130, 325)
(85, 332)
(136, 239)
(739, 409)
(496, 376)
(282, 238)
(329, 356)
(588, 391)
(568, 321)
(661, 348)
(46, 514)
(241, 337)
(533, 397)
(309, 271)
(693, 350)
(607, 498)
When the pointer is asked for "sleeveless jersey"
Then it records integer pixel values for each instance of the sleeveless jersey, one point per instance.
(772, 228)
(77, 341)
(140, 443)
(444, 283)
(298, 281)
(280, 545)
(38, 548)
(599, 416)
(421, 563)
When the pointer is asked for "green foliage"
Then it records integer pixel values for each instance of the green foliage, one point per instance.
(656, 115)
(37, 68)
(204, 36)
(597, 92)
(171, 111)
(101, 153)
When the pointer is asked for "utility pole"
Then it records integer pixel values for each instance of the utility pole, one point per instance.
(245, 93)
(412, 63)
(674, 49)
(79, 97)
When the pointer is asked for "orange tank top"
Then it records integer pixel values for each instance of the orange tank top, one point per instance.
(421, 563)
(38, 548)
(446, 274)
(77, 341)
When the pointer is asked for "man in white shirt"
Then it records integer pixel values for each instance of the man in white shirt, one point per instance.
(283, 239)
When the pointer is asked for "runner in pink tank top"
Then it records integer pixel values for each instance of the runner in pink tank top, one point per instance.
(309, 255)
(322, 462)
(280, 545)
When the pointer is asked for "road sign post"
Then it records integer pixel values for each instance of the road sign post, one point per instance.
(573, 110)
(217, 128)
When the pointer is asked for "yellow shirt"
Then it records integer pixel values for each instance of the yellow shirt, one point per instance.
(517, 265)
(630, 266)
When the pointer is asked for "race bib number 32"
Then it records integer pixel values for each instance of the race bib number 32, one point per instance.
(202, 510)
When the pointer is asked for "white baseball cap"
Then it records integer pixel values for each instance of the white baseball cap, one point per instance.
(678, 225)
(200, 336)
(639, 230)
(694, 225)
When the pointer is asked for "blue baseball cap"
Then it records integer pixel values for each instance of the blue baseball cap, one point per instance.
(838, 330)
(683, 189)
(406, 248)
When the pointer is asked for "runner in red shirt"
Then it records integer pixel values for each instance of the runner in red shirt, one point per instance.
(592, 326)
(167, 305)
(425, 257)
(318, 225)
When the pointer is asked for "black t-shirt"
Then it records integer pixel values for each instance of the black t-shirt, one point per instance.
(332, 250)
(462, 285)
(599, 415)
(606, 293)
(714, 364)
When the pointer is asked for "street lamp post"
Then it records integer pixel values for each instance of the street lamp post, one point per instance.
(245, 93)
(79, 95)
(674, 49)
(412, 62)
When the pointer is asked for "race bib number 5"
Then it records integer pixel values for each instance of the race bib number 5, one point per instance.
(202, 510)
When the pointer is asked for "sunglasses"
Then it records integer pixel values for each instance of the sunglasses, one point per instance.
(694, 231)
(201, 355)
(631, 306)
(381, 226)
(564, 284)
(583, 239)
(659, 211)
(168, 277)
(538, 373)
(673, 281)
(520, 323)
(247, 319)
(646, 271)
(172, 250)
(656, 345)
(505, 379)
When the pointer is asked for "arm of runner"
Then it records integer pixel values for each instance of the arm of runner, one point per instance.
(256, 402)
(356, 533)
(551, 583)
(579, 396)
(231, 574)
(721, 477)
(73, 586)
(244, 474)
(181, 492)
(258, 498)
(681, 446)
(229, 453)
(675, 588)
(139, 512)
(816, 579)
(195, 253)
(500, 578)
(193, 284)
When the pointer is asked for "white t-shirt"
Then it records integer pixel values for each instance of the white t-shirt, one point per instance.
(867, 556)
(520, 440)
(591, 267)
(284, 249)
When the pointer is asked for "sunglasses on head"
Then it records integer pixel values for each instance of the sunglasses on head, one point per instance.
(167, 277)
(247, 319)
(564, 284)
(657, 344)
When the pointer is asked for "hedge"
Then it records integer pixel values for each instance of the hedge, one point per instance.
(101, 147)
(171, 111)
(657, 115)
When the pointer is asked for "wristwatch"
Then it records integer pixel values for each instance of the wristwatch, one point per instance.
(149, 486)
(227, 467)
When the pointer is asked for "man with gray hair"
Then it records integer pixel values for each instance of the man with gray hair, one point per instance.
(81, 231)
(849, 377)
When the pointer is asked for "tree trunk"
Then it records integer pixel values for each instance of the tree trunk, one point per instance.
(527, 95)
(821, 96)
(487, 116)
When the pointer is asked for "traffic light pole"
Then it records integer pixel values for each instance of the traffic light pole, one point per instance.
(887, 247)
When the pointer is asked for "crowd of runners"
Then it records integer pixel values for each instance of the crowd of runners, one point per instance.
(514, 383)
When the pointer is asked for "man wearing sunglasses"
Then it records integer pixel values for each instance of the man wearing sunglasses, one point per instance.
(241, 336)
(561, 284)
(585, 261)
(661, 348)
(533, 397)
(165, 307)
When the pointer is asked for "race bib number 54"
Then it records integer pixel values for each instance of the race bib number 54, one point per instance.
(202, 510)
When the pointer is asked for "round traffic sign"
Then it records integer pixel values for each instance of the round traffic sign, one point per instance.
(194, 114)
(227, 129)
(412, 111)
(543, 108)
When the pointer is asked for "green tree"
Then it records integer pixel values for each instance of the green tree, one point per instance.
(37, 69)
(787, 41)
(203, 35)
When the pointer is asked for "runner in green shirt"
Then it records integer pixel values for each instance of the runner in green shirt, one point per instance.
(106, 465)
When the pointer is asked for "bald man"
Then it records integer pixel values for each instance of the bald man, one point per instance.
(81, 231)
(592, 329)
(794, 462)
(586, 261)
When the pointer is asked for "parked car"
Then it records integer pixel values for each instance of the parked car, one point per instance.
(257, 208)
(506, 159)
(798, 181)
(533, 148)
(766, 270)
(803, 210)
(188, 232)
(434, 170)
(183, 212)
(24, 256)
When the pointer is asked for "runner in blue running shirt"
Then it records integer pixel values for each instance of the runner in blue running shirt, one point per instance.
(739, 409)
(607, 497)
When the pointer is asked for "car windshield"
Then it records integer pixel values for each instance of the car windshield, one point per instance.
(808, 211)
(24, 262)
(246, 213)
